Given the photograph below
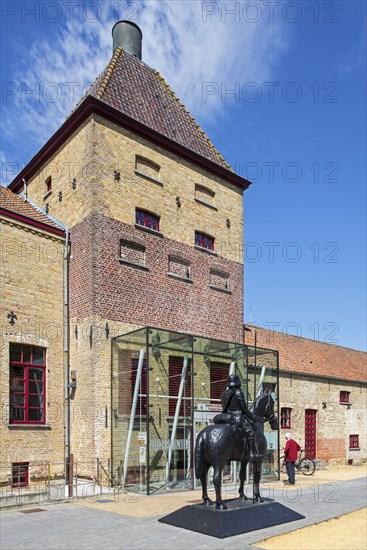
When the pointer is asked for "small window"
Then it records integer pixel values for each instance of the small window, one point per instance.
(20, 474)
(179, 265)
(354, 441)
(219, 279)
(27, 384)
(204, 196)
(147, 167)
(146, 219)
(204, 241)
(132, 252)
(285, 417)
(48, 186)
(344, 396)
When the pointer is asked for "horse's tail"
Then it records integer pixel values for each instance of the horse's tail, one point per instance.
(199, 456)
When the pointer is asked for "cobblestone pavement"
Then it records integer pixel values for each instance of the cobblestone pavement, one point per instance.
(73, 527)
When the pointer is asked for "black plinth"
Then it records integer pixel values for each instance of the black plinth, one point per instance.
(241, 517)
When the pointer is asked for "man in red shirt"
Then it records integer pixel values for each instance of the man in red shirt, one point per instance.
(291, 454)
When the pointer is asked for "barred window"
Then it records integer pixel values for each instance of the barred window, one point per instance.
(27, 384)
(285, 417)
(354, 441)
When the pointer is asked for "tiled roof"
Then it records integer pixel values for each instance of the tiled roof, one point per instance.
(135, 89)
(305, 356)
(16, 204)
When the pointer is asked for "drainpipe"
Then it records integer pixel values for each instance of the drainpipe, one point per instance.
(25, 189)
(68, 482)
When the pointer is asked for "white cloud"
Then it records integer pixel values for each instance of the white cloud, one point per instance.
(54, 72)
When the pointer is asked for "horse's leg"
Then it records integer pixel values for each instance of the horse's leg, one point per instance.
(203, 478)
(217, 480)
(257, 477)
(243, 479)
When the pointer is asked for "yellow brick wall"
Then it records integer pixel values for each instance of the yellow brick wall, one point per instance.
(117, 149)
(98, 148)
(32, 287)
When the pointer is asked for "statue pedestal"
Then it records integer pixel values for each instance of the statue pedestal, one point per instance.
(241, 517)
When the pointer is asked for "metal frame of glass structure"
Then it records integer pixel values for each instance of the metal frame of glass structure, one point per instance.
(165, 389)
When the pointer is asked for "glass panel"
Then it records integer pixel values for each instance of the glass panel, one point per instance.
(262, 376)
(36, 374)
(26, 354)
(159, 412)
(17, 400)
(129, 406)
(16, 414)
(38, 356)
(15, 352)
(36, 401)
(35, 415)
(36, 387)
(170, 400)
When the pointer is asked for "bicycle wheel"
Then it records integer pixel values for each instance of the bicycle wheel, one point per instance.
(307, 466)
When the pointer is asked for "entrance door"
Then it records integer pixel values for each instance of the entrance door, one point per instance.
(310, 433)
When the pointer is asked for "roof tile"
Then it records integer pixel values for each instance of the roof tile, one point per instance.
(16, 203)
(306, 356)
(135, 89)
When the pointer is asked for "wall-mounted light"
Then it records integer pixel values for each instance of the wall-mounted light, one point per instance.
(117, 175)
(73, 184)
(47, 208)
(76, 331)
(324, 405)
(91, 336)
(107, 330)
(60, 196)
(178, 202)
(228, 223)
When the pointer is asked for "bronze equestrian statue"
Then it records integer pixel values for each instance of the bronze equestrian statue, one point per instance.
(225, 440)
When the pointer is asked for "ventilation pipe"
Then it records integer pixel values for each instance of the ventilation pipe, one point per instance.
(128, 36)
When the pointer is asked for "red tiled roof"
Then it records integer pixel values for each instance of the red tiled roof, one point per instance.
(10, 203)
(305, 356)
(135, 89)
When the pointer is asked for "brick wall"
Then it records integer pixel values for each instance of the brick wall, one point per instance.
(104, 286)
(32, 287)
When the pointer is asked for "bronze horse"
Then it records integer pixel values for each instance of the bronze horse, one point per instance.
(218, 443)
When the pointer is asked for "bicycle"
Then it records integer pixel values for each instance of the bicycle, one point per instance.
(306, 466)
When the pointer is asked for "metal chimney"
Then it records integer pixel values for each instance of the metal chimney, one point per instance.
(128, 36)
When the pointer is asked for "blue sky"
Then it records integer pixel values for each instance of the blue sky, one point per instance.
(279, 87)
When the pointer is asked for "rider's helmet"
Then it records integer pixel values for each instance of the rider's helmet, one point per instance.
(233, 381)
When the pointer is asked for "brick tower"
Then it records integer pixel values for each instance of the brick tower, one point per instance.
(155, 217)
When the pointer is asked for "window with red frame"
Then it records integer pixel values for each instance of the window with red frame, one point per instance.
(27, 384)
(20, 474)
(141, 407)
(218, 380)
(146, 219)
(204, 241)
(354, 441)
(285, 417)
(175, 366)
(344, 396)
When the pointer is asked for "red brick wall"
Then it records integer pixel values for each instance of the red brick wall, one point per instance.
(101, 285)
(328, 449)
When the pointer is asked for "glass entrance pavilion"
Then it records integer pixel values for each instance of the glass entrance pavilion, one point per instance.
(166, 388)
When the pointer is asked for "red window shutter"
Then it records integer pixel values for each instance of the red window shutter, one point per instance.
(175, 371)
(142, 399)
(218, 379)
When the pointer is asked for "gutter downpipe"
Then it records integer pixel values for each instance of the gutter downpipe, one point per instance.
(68, 481)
